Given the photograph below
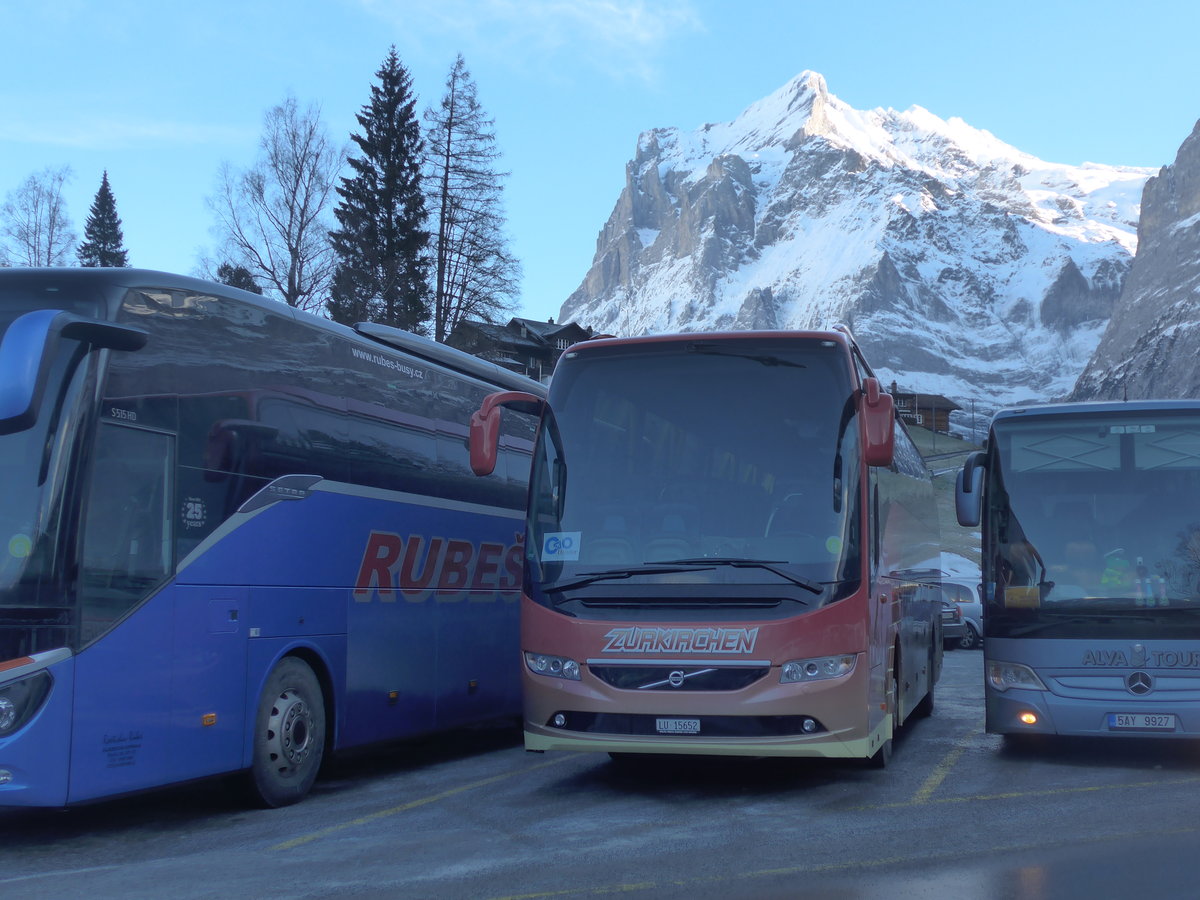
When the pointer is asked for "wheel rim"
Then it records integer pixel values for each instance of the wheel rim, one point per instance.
(967, 641)
(290, 733)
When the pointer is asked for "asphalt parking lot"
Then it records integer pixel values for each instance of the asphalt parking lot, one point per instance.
(473, 815)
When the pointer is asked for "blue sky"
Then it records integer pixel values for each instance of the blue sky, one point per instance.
(161, 93)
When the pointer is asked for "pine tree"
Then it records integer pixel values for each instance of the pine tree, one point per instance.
(238, 277)
(102, 238)
(475, 276)
(381, 241)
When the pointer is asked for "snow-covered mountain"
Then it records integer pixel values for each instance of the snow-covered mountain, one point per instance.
(1151, 347)
(964, 266)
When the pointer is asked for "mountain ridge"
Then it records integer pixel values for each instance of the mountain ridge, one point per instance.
(965, 266)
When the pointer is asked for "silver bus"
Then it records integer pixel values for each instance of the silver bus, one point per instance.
(1090, 536)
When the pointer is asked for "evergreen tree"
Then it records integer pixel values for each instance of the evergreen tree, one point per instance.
(102, 238)
(475, 276)
(381, 241)
(238, 277)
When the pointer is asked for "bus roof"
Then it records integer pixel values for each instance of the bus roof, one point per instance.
(1092, 407)
(107, 278)
(840, 335)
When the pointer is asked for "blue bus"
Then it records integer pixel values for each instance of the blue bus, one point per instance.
(235, 538)
(1090, 516)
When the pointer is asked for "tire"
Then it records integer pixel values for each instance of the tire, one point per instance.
(881, 757)
(924, 709)
(970, 638)
(289, 735)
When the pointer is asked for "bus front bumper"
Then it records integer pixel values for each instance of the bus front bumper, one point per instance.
(1019, 712)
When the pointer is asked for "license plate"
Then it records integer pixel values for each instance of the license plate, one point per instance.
(677, 726)
(1141, 722)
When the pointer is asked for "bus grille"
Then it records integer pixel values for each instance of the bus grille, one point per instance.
(678, 678)
(710, 726)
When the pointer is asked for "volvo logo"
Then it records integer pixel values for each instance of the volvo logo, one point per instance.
(1139, 683)
(675, 679)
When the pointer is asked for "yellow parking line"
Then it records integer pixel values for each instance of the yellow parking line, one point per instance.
(942, 769)
(1015, 795)
(413, 804)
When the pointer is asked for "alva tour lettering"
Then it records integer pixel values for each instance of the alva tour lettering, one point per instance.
(418, 567)
(1149, 659)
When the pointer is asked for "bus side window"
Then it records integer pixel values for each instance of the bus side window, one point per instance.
(127, 540)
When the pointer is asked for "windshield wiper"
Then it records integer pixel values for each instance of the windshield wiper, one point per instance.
(586, 578)
(770, 565)
(1078, 617)
(765, 359)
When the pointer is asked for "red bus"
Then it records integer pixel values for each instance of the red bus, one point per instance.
(731, 548)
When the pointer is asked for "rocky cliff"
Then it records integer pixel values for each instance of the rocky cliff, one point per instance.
(1151, 347)
(964, 266)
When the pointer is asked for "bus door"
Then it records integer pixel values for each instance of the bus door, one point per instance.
(136, 685)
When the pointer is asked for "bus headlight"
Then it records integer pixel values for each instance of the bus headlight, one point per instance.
(20, 699)
(552, 666)
(819, 669)
(1004, 675)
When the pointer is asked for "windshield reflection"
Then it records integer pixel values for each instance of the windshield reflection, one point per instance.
(1105, 515)
(34, 608)
(713, 464)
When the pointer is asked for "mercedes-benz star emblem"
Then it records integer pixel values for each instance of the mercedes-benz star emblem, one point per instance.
(1139, 683)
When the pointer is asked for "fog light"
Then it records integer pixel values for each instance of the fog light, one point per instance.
(1028, 718)
(808, 726)
(560, 721)
(5, 776)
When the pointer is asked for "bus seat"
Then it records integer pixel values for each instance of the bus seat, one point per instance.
(611, 545)
(672, 532)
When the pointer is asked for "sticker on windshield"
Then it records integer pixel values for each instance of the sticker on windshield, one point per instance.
(561, 546)
(20, 546)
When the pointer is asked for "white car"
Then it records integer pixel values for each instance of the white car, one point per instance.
(965, 595)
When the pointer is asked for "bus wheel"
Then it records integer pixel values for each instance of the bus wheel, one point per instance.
(881, 757)
(924, 708)
(289, 735)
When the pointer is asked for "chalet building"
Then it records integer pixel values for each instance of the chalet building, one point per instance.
(526, 346)
(930, 411)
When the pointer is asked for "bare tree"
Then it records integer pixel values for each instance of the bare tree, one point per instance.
(475, 275)
(271, 217)
(34, 228)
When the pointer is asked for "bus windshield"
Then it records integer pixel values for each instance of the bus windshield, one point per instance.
(33, 611)
(730, 461)
(1095, 520)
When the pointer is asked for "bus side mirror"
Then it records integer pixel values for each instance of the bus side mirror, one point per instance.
(485, 426)
(879, 417)
(968, 491)
(27, 352)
